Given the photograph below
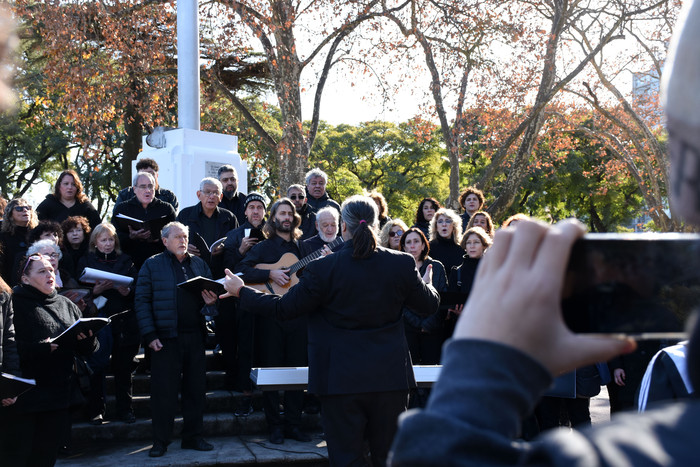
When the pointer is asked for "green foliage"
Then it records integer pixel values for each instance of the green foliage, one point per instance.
(404, 162)
(582, 180)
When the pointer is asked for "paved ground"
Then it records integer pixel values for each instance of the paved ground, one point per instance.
(235, 450)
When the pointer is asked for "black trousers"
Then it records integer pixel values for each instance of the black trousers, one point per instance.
(553, 412)
(235, 331)
(353, 422)
(181, 359)
(37, 437)
(282, 344)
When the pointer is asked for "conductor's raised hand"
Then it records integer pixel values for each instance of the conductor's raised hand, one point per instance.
(428, 276)
(232, 284)
(519, 284)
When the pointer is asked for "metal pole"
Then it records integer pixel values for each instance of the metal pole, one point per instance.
(188, 64)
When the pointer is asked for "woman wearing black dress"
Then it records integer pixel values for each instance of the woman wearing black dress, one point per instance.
(445, 237)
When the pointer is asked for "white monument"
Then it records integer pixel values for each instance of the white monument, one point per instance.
(186, 155)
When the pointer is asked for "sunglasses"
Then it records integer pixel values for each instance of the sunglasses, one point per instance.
(398, 233)
(22, 208)
(33, 257)
(297, 197)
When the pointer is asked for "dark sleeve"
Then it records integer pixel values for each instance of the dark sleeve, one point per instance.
(123, 235)
(10, 358)
(247, 265)
(88, 345)
(475, 410)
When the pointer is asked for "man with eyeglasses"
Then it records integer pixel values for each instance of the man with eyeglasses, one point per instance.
(233, 200)
(297, 194)
(210, 221)
(151, 166)
(141, 244)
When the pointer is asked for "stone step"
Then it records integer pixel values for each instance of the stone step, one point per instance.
(216, 379)
(215, 424)
(228, 450)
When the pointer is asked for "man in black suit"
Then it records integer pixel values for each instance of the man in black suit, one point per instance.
(327, 225)
(359, 362)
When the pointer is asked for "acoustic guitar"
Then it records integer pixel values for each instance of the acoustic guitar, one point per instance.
(291, 262)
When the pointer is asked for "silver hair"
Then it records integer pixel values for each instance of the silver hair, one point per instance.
(328, 210)
(210, 181)
(143, 174)
(165, 232)
(316, 173)
(298, 187)
(41, 244)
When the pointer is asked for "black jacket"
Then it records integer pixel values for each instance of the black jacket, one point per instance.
(156, 296)
(318, 203)
(51, 209)
(266, 252)
(141, 250)
(225, 222)
(9, 360)
(308, 222)
(314, 243)
(12, 248)
(236, 205)
(162, 194)
(45, 316)
(354, 306)
(232, 256)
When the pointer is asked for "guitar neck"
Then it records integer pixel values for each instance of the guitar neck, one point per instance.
(302, 263)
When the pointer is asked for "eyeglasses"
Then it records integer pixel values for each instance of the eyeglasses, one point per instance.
(447, 221)
(148, 187)
(398, 233)
(209, 194)
(296, 197)
(32, 257)
(22, 208)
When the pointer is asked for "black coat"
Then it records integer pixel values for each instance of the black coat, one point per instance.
(236, 205)
(141, 250)
(12, 248)
(354, 306)
(225, 222)
(51, 209)
(43, 316)
(447, 252)
(9, 360)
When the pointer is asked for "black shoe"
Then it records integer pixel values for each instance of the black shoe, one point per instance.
(245, 407)
(295, 433)
(97, 420)
(157, 450)
(277, 435)
(198, 444)
(127, 417)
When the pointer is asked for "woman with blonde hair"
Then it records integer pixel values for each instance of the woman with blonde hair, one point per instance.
(391, 233)
(445, 237)
(121, 337)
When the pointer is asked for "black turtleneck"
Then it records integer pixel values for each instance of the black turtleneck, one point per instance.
(447, 252)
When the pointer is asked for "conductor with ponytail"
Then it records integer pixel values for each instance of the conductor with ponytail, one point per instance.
(359, 364)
